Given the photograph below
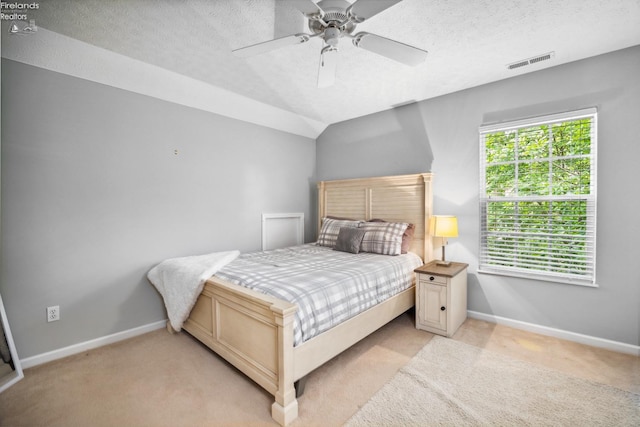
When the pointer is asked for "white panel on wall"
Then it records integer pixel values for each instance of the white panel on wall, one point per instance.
(281, 230)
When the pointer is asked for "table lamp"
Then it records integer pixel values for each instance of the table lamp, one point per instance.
(444, 226)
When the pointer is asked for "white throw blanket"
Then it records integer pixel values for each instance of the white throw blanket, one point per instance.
(180, 281)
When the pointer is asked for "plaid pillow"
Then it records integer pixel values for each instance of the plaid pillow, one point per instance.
(407, 236)
(330, 228)
(383, 237)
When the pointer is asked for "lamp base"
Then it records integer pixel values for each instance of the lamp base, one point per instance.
(443, 263)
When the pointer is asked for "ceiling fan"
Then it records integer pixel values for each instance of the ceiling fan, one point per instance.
(332, 20)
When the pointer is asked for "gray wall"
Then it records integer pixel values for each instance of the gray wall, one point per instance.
(93, 195)
(441, 135)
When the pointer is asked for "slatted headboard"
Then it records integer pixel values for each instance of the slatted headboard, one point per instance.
(400, 198)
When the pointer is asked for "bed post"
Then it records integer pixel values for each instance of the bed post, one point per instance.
(428, 203)
(285, 408)
(321, 205)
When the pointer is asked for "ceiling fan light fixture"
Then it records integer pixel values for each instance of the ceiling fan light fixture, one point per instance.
(332, 36)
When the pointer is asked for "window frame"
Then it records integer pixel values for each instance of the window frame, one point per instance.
(484, 259)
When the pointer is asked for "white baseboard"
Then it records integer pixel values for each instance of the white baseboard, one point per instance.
(620, 347)
(50, 356)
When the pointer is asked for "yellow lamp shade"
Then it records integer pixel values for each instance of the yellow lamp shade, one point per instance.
(444, 226)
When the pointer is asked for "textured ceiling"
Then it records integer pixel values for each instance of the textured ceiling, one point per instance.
(469, 43)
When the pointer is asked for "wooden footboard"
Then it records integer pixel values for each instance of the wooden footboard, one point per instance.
(253, 332)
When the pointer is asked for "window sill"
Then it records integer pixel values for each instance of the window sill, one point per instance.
(540, 277)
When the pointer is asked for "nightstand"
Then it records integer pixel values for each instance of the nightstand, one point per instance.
(441, 297)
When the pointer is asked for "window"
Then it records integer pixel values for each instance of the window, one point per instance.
(538, 198)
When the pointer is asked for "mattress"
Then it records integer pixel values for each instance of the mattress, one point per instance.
(328, 286)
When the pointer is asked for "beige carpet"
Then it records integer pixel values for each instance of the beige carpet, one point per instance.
(452, 383)
(163, 380)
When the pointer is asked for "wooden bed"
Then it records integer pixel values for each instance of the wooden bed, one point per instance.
(254, 331)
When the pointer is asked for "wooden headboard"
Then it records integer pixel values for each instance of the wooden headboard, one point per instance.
(400, 198)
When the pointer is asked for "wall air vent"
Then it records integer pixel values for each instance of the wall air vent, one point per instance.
(530, 61)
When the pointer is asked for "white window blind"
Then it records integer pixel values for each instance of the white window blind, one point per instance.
(538, 198)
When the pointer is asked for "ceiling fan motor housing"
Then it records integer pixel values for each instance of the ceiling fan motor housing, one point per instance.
(336, 18)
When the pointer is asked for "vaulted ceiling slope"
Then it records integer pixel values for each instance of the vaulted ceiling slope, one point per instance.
(181, 51)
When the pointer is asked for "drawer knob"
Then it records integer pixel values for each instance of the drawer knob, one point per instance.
(431, 278)
(442, 308)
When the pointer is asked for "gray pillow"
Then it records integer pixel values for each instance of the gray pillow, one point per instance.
(349, 239)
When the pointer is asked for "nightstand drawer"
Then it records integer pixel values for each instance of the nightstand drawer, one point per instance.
(430, 278)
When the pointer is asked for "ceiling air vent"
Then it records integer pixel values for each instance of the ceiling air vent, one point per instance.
(535, 59)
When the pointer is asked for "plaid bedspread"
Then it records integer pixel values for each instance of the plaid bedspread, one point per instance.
(328, 286)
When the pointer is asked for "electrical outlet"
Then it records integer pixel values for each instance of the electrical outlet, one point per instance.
(53, 313)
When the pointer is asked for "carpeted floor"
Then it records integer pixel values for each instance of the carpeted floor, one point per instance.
(159, 379)
(452, 383)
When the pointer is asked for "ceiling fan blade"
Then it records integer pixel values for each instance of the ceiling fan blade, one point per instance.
(307, 7)
(327, 68)
(268, 46)
(365, 9)
(392, 49)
